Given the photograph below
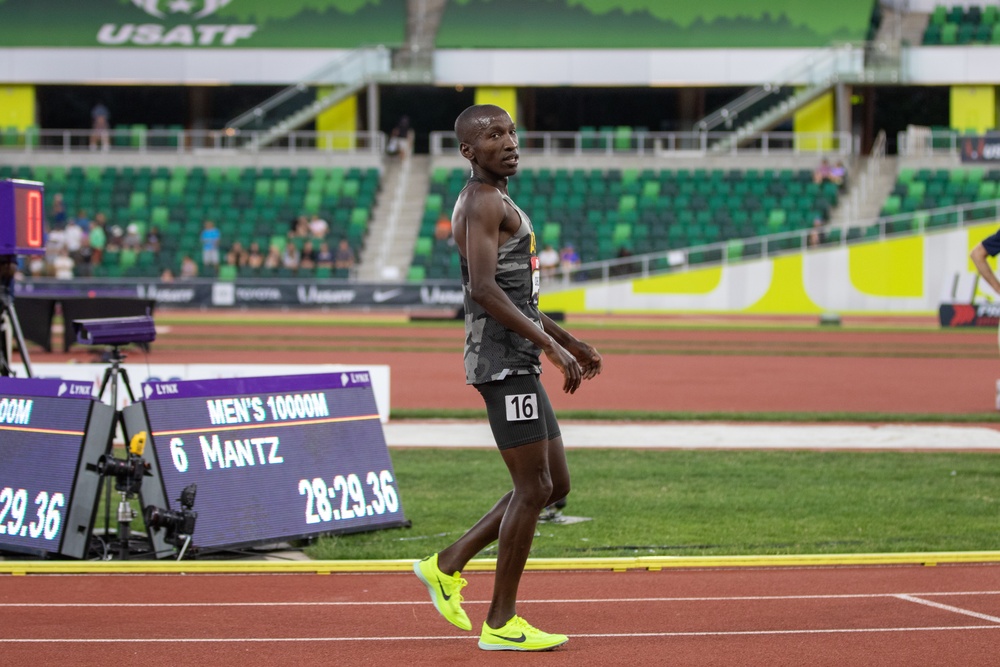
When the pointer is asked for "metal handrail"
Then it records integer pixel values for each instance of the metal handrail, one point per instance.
(642, 143)
(162, 142)
(350, 68)
(762, 247)
(816, 68)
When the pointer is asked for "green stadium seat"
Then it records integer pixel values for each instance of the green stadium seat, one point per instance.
(416, 274)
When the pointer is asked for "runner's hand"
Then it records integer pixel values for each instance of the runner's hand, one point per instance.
(567, 365)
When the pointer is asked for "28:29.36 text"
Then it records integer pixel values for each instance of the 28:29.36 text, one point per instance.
(352, 497)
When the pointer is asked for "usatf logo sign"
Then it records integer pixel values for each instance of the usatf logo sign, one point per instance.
(171, 33)
(153, 7)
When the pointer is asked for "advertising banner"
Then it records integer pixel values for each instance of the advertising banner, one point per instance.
(981, 149)
(202, 24)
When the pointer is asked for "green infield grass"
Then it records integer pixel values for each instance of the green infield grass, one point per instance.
(711, 503)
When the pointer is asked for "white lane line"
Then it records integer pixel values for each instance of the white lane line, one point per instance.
(606, 635)
(948, 607)
(354, 603)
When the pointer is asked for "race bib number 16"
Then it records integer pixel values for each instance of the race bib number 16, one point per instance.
(521, 407)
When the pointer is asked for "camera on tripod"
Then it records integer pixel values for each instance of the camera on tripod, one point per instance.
(178, 525)
(128, 473)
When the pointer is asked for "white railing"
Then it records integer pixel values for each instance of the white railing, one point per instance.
(763, 247)
(660, 144)
(124, 141)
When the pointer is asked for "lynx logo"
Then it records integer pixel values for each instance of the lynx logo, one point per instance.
(152, 7)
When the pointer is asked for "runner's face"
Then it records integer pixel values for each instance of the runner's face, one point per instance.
(496, 145)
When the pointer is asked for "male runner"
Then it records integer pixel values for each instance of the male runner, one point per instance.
(505, 336)
(989, 247)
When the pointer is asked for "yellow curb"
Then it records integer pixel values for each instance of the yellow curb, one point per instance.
(651, 563)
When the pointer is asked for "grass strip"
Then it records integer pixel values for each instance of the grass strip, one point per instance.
(705, 503)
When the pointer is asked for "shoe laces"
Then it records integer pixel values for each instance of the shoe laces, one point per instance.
(522, 624)
(456, 583)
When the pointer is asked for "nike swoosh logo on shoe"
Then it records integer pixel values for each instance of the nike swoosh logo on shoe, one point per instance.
(516, 640)
(443, 594)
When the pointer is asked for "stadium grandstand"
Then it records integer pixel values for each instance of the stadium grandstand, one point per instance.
(746, 156)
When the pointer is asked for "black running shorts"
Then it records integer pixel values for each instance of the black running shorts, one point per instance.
(519, 411)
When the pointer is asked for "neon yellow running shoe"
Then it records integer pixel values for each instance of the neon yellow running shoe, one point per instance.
(445, 590)
(518, 635)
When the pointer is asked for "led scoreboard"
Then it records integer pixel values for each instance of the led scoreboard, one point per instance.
(22, 228)
(272, 458)
(52, 432)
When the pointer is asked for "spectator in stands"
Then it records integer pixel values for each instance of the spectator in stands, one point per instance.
(100, 132)
(344, 257)
(290, 257)
(255, 258)
(62, 265)
(272, 261)
(73, 235)
(299, 227)
(189, 268)
(324, 256)
(838, 173)
(237, 256)
(816, 233)
(210, 238)
(36, 266)
(167, 276)
(548, 261)
(442, 228)
(318, 227)
(152, 242)
(307, 258)
(133, 239)
(116, 236)
(83, 220)
(399, 138)
(57, 214)
(821, 173)
(569, 259)
(98, 236)
(84, 258)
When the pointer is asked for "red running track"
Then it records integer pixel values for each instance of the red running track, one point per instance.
(837, 616)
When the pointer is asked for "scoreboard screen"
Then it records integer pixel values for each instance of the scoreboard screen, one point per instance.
(22, 217)
(273, 458)
(52, 432)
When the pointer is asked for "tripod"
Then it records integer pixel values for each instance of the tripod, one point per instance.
(128, 473)
(8, 268)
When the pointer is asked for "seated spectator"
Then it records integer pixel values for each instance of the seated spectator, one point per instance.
(299, 227)
(62, 265)
(318, 227)
(237, 256)
(84, 259)
(838, 173)
(167, 276)
(569, 259)
(132, 239)
(324, 256)
(115, 237)
(442, 229)
(272, 261)
(548, 261)
(290, 257)
(307, 258)
(344, 257)
(152, 243)
(255, 258)
(189, 268)
(821, 173)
